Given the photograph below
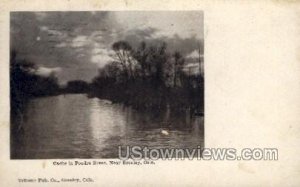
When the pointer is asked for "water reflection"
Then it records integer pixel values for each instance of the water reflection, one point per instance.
(73, 126)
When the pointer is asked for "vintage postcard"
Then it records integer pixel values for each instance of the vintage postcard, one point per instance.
(160, 93)
(114, 79)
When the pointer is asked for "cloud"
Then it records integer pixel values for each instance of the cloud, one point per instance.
(63, 44)
(80, 41)
(193, 54)
(167, 23)
(101, 56)
(40, 15)
(191, 69)
(52, 31)
(192, 65)
(54, 39)
(102, 51)
(81, 55)
(144, 32)
(101, 60)
(52, 35)
(44, 28)
(97, 34)
(55, 32)
(44, 71)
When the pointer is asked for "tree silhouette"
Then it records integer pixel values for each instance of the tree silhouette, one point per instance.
(123, 52)
(178, 64)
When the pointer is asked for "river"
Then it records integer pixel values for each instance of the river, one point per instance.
(75, 126)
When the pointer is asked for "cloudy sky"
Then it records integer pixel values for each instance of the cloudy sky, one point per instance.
(75, 45)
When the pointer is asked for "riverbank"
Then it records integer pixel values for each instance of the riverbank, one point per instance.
(145, 97)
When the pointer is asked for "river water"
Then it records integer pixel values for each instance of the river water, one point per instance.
(75, 126)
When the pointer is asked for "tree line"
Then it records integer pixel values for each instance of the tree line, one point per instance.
(146, 77)
(149, 76)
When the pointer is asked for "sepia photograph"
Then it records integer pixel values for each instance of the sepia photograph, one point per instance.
(149, 93)
(85, 84)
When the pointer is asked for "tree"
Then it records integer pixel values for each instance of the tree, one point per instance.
(77, 86)
(178, 64)
(141, 56)
(158, 58)
(123, 52)
(24, 82)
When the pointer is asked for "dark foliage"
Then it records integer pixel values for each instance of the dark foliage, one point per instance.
(149, 78)
(24, 84)
(76, 86)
